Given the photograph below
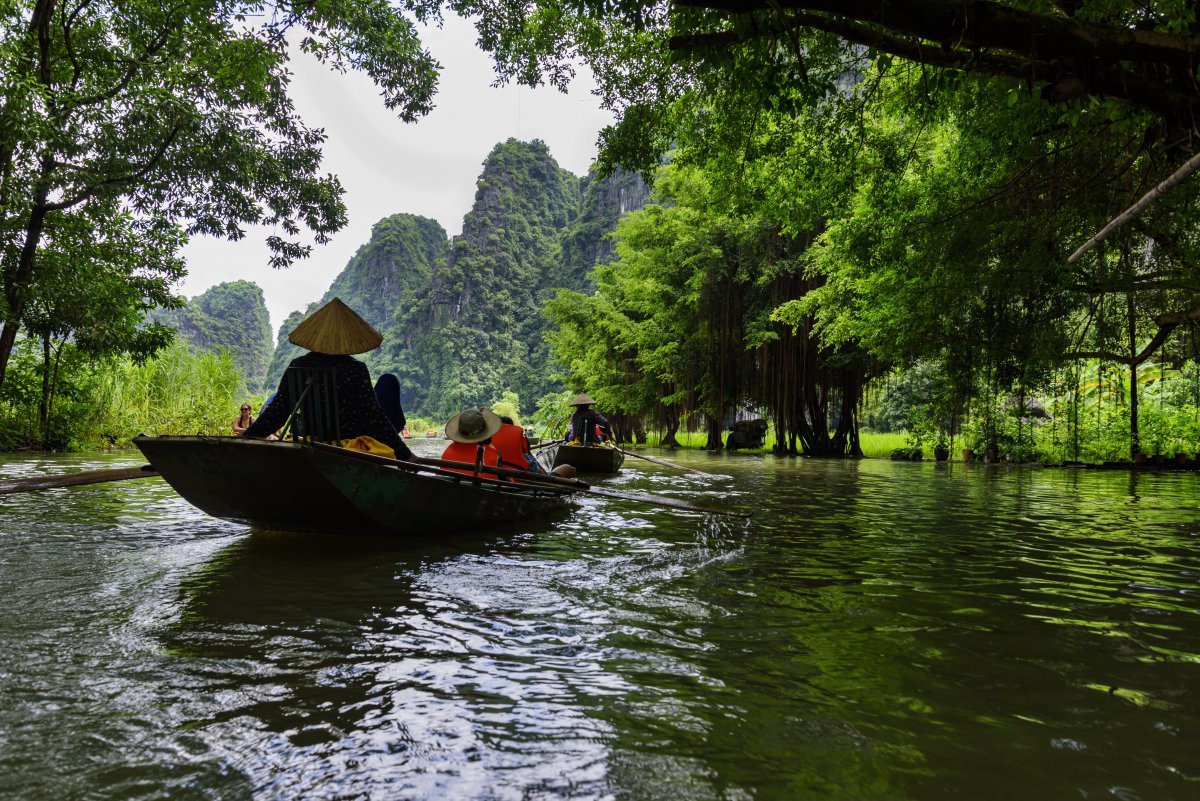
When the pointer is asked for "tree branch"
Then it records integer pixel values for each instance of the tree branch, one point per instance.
(970, 24)
(1186, 169)
(132, 173)
(1146, 68)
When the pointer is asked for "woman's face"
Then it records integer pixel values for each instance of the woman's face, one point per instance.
(245, 410)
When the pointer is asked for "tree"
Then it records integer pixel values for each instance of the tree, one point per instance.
(178, 113)
(681, 324)
(91, 295)
(643, 52)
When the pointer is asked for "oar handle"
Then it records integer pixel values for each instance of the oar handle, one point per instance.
(434, 466)
(665, 463)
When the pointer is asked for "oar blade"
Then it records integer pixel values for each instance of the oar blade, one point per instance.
(665, 463)
(82, 478)
(670, 503)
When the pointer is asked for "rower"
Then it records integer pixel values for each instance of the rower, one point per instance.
(588, 426)
(329, 388)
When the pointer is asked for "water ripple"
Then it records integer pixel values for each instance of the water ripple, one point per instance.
(878, 630)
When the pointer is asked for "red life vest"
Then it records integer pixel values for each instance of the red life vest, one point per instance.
(466, 452)
(512, 443)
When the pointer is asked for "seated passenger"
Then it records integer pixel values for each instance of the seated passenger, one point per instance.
(513, 444)
(471, 432)
(243, 420)
(332, 333)
(387, 392)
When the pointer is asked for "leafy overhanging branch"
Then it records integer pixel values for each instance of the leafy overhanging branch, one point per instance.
(1151, 69)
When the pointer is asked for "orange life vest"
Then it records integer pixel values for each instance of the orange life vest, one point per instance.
(466, 452)
(512, 443)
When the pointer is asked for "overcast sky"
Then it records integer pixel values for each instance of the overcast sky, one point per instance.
(386, 166)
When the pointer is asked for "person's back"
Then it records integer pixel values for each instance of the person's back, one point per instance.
(513, 446)
(333, 380)
(589, 426)
(470, 433)
(467, 453)
(357, 408)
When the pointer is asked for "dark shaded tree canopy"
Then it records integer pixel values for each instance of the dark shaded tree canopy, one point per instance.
(179, 113)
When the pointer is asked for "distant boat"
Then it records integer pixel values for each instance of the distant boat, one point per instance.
(588, 458)
(297, 487)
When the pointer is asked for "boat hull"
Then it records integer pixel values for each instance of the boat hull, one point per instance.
(432, 504)
(589, 458)
(292, 487)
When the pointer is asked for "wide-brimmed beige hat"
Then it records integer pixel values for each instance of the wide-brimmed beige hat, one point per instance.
(336, 329)
(473, 425)
(583, 400)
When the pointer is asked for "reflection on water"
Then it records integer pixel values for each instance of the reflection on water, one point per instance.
(879, 631)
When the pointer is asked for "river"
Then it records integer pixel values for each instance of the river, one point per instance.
(877, 631)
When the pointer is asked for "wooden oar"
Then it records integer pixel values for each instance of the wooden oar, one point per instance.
(665, 463)
(671, 503)
(14, 485)
(542, 480)
(430, 465)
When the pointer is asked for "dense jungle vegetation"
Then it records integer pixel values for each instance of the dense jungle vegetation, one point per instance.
(864, 215)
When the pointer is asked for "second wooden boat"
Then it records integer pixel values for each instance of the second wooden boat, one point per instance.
(589, 458)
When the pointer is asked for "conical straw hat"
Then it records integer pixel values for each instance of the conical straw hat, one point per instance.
(335, 329)
(582, 400)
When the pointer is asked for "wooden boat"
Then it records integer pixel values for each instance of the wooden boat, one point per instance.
(300, 487)
(589, 458)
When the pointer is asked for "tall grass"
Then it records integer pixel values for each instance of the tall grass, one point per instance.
(873, 444)
(879, 444)
(180, 391)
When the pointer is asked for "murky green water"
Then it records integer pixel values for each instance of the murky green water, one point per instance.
(879, 631)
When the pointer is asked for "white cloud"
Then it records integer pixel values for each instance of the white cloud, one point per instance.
(386, 166)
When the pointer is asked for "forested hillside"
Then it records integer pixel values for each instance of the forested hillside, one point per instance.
(230, 316)
(397, 260)
(588, 241)
(463, 323)
(476, 329)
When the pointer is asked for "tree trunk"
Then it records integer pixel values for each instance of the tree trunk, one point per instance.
(16, 283)
(669, 440)
(1135, 440)
(672, 425)
(54, 375)
(1078, 373)
(714, 435)
(44, 403)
